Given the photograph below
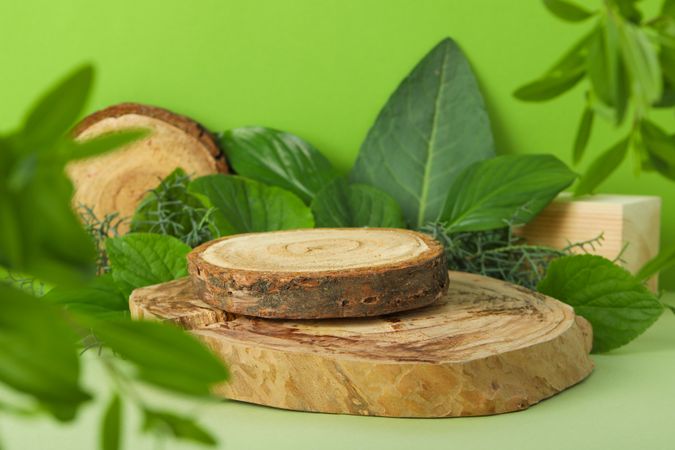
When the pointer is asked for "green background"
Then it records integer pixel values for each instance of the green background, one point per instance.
(319, 68)
(323, 69)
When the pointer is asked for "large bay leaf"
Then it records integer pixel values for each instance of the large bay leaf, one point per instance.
(433, 126)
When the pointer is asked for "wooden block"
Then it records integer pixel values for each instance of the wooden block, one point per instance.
(486, 347)
(628, 221)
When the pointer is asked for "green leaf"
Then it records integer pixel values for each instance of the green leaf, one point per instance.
(142, 259)
(560, 78)
(103, 143)
(567, 11)
(606, 70)
(583, 134)
(642, 63)
(171, 210)
(619, 307)
(111, 429)
(244, 205)
(513, 188)
(356, 205)
(664, 260)
(177, 426)
(660, 148)
(54, 113)
(602, 167)
(100, 298)
(628, 10)
(164, 355)
(38, 353)
(432, 127)
(278, 158)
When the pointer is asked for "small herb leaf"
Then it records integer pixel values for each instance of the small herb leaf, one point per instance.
(618, 306)
(111, 425)
(602, 167)
(567, 11)
(164, 355)
(177, 426)
(583, 134)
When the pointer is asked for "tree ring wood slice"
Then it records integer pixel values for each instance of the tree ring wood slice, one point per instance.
(320, 273)
(486, 347)
(116, 182)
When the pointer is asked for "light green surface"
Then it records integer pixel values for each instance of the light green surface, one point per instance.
(319, 68)
(627, 403)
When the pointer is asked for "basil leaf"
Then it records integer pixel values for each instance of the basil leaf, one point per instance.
(664, 260)
(560, 78)
(358, 205)
(491, 194)
(177, 426)
(602, 167)
(54, 113)
(583, 134)
(660, 148)
(278, 158)
(37, 350)
(164, 355)
(432, 127)
(567, 11)
(110, 425)
(244, 205)
(142, 259)
(100, 298)
(619, 307)
(171, 210)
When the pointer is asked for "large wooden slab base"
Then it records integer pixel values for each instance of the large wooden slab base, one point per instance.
(486, 347)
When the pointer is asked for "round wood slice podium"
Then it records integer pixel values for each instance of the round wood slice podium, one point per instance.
(484, 347)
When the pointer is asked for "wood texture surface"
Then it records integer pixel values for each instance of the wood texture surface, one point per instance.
(629, 224)
(486, 347)
(320, 273)
(118, 180)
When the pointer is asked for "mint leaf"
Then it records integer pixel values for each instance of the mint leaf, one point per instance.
(142, 259)
(38, 353)
(164, 355)
(358, 205)
(512, 188)
(101, 297)
(618, 306)
(278, 158)
(244, 205)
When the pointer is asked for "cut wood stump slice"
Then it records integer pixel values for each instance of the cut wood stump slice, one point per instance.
(486, 347)
(320, 273)
(117, 181)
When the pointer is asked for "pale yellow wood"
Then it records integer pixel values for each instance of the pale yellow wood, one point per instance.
(487, 347)
(631, 221)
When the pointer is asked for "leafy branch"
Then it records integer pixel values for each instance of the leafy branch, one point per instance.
(628, 63)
